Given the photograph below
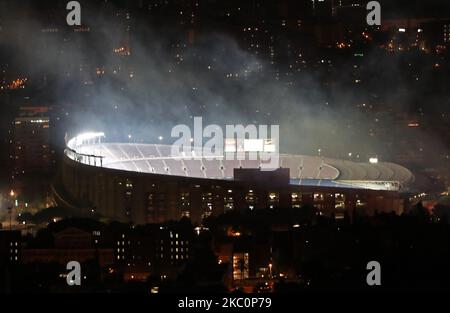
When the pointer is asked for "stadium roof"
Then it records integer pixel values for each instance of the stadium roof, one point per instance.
(304, 170)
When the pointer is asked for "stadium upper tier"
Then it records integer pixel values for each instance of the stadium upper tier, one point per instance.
(157, 159)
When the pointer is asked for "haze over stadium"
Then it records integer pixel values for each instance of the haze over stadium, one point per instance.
(216, 79)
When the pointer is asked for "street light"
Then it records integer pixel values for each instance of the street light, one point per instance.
(10, 218)
(12, 195)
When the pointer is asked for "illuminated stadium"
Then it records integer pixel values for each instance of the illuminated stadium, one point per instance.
(144, 183)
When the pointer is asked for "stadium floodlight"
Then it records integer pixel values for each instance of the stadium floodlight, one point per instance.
(81, 138)
(269, 146)
(373, 160)
(253, 145)
(90, 135)
(230, 145)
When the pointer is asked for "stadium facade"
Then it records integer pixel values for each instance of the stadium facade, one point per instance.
(143, 183)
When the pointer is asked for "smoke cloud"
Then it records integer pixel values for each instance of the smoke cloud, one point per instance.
(166, 80)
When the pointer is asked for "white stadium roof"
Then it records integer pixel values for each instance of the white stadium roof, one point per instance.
(307, 170)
